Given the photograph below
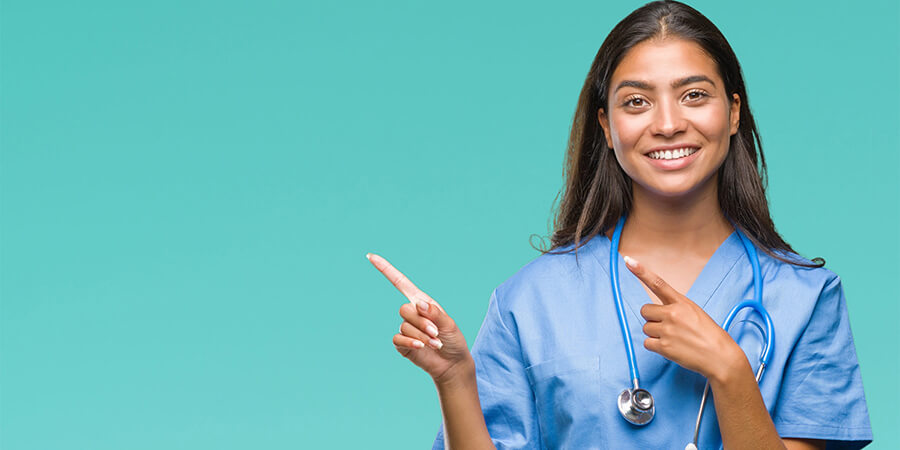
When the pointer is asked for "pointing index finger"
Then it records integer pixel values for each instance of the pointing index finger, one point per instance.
(396, 277)
(667, 294)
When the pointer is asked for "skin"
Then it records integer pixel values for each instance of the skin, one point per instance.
(674, 227)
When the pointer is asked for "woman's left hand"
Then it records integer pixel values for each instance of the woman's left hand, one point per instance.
(682, 332)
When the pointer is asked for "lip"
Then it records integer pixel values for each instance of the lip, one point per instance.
(673, 164)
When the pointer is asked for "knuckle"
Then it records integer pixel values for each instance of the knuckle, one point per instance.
(407, 310)
(402, 351)
(657, 282)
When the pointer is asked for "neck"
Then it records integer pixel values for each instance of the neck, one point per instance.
(690, 223)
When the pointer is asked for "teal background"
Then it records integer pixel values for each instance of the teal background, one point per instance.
(189, 190)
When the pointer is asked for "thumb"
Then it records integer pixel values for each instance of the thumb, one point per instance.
(667, 294)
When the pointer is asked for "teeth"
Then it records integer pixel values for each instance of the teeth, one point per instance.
(672, 154)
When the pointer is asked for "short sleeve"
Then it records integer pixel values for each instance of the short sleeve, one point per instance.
(507, 400)
(821, 395)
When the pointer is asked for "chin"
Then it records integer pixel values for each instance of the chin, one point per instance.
(673, 193)
(676, 189)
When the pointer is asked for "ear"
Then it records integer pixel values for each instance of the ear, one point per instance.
(604, 123)
(735, 113)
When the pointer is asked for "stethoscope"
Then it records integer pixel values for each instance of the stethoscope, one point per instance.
(636, 404)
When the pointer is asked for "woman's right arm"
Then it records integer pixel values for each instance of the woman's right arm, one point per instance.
(430, 339)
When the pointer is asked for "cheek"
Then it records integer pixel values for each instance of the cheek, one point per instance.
(713, 123)
(625, 132)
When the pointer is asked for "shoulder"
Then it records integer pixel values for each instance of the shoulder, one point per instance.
(801, 289)
(796, 268)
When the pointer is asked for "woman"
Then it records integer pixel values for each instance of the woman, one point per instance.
(664, 141)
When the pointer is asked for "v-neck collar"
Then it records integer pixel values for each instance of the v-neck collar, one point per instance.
(707, 283)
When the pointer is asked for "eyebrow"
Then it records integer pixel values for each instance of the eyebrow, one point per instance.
(675, 84)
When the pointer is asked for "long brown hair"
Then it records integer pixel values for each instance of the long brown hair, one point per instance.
(597, 191)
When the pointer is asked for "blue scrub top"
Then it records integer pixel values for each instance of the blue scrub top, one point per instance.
(550, 359)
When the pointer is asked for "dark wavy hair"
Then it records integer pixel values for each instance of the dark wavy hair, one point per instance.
(597, 191)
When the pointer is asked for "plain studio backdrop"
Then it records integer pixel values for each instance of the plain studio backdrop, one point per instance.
(189, 190)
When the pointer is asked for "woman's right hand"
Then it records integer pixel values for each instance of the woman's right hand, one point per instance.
(428, 336)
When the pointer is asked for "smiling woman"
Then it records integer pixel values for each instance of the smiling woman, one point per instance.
(652, 100)
(664, 165)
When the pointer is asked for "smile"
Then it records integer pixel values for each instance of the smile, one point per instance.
(672, 154)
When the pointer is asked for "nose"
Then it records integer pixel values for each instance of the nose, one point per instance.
(668, 119)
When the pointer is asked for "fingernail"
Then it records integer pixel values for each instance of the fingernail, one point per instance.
(423, 306)
(630, 261)
(436, 343)
(431, 330)
(418, 344)
(369, 256)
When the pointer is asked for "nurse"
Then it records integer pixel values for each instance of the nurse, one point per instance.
(663, 137)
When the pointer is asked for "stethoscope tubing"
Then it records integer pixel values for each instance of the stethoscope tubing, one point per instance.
(755, 304)
(620, 308)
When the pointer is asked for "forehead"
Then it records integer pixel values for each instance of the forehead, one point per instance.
(660, 61)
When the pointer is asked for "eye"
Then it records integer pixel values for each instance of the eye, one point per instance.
(634, 101)
(696, 94)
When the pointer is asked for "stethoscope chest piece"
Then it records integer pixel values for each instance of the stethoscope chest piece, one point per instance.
(636, 406)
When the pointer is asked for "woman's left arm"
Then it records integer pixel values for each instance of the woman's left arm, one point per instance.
(682, 332)
(743, 419)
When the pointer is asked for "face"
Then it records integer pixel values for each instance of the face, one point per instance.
(669, 118)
